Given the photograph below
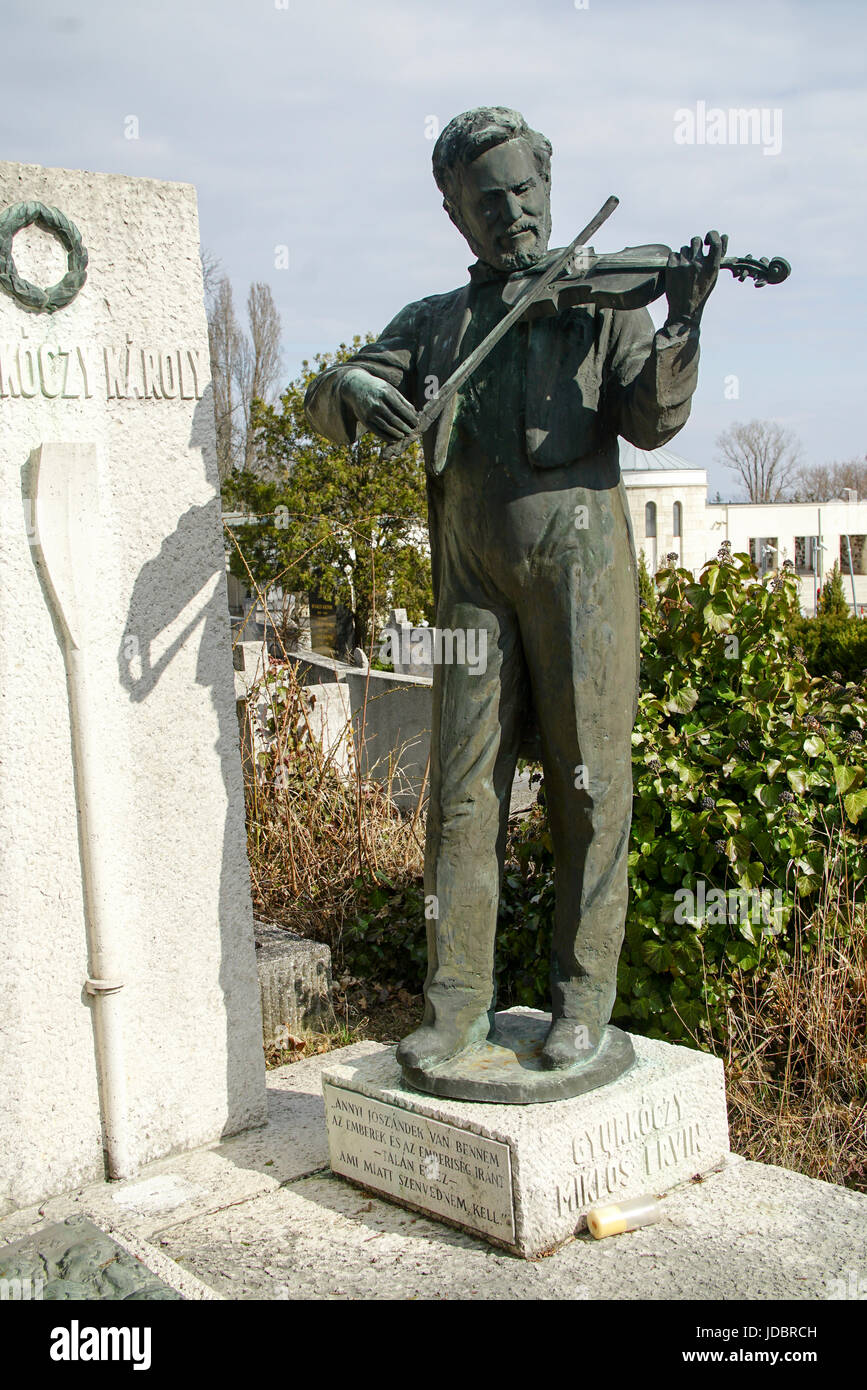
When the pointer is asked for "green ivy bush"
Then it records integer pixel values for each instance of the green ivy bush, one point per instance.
(750, 775)
(385, 941)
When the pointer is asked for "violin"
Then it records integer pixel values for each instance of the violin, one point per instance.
(627, 279)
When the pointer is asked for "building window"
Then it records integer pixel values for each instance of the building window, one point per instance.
(678, 519)
(805, 554)
(859, 554)
(763, 552)
(650, 519)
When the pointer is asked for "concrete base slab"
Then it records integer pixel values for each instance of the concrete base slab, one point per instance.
(200, 1182)
(260, 1216)
(525, 1176)
(748, 1232)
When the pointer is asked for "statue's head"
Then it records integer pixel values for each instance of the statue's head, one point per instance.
(494, 173)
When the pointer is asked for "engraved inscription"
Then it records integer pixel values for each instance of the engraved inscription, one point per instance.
(637, 1123)
(670, 1149)
(591, 1185)
(441, 1168)
(639, 1143)
(128, 371)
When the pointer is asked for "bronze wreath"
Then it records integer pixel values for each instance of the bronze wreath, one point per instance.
(51, 220)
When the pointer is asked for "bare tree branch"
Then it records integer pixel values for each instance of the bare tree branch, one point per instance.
(243, 367)
(226, 344)
(211, 270)
(823, 481)
(764, 456)
(257, 365)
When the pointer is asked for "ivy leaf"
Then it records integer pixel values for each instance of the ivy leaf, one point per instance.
(848, 777)
(657, 955)
(717, 613)
(855, 805)
(743, 954)
(754, 873)
(682, 700)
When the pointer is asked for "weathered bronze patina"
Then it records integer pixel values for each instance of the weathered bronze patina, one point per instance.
(531, 544)
(29, 296)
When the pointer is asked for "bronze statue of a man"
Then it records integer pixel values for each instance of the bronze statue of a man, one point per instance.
(531, 544)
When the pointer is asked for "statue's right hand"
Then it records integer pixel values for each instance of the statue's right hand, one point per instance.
(378, 406)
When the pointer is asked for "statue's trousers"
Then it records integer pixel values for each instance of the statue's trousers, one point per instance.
(540, 574)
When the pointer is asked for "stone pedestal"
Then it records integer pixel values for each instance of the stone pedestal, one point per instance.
(525, 1176)
(295, 984)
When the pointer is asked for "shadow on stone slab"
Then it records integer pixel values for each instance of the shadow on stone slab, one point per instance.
(507, 1068)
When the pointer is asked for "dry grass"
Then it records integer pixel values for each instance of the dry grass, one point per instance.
(361, 1014)
(313, 830)
(796, 1059)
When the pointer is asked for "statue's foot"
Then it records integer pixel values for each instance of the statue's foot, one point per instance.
(435, 1043)
(569, 1043)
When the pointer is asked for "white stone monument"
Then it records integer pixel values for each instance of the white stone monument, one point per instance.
(129, 1017)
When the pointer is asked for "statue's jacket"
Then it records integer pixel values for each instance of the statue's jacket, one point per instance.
(591, 374)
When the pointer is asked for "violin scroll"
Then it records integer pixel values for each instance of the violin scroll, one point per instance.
(761, 272)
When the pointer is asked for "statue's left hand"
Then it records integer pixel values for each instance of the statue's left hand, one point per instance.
(691, 275)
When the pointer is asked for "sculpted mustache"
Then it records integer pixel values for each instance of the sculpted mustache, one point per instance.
(520, 227)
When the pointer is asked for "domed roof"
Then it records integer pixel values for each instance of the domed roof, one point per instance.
(634, 460)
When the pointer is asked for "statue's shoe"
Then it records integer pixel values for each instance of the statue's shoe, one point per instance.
(570, 1042)
(432, 1044)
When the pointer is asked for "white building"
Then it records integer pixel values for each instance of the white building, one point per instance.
(670, 512)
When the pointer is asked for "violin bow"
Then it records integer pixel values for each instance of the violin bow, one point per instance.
(437, 405)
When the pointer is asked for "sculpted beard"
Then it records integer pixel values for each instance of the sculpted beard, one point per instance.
(517, 259)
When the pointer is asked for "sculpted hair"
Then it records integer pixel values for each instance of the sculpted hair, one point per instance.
(472, 133)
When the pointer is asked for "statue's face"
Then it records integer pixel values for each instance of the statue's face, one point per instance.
(505, 208)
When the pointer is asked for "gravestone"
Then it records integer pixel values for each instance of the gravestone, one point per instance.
(323, 625)
(408, 649)
(130, 1014)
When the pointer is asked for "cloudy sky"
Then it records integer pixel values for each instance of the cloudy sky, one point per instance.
(307, 124)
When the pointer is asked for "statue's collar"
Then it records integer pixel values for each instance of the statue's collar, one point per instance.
(482, 274)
